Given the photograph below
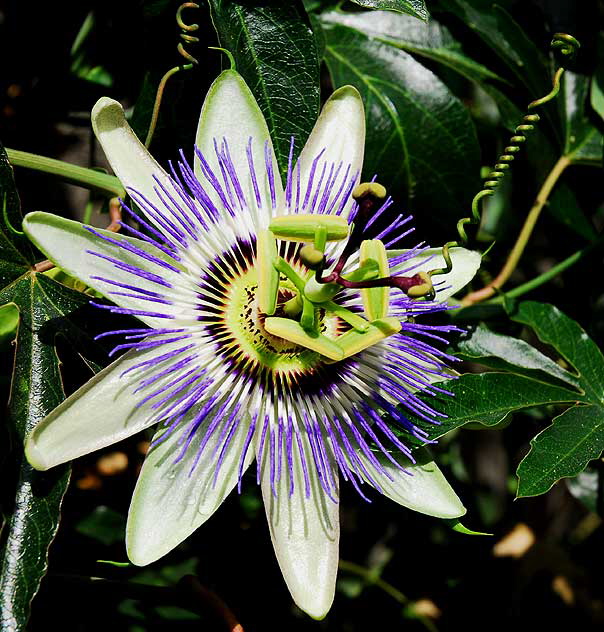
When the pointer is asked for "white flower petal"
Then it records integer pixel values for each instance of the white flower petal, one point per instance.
(231, 113)
(340, 133)
(172, 499)
(465, 265)
(102, 412)
(132, 163)
(305, 532)
(67, 243)
(422, 487)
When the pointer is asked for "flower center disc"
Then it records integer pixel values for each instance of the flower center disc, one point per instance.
(245, 322)
(237, 325)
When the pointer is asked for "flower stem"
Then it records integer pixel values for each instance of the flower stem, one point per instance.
(523, 238)
(371, 578)
(551, 273)
(92, 179)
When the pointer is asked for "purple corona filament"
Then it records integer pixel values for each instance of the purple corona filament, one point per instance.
(215, 373)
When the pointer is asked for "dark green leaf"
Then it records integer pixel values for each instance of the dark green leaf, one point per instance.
(9, 320)
(569, 340)
(275, 52)
(15, 251)
(507, 39)
(36, 390)
(583, 141)
(562, 450)
(420, 139)
(103, 524)
(577, 436)
(488, 397)
(416, 8)
(431, 40)
(590, 151)
(596, 95)
(82, 65)
(502, 34)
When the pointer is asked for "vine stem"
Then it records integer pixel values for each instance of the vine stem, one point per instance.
(212, 601)
(523, 238)
(158, 99)
(553, 272)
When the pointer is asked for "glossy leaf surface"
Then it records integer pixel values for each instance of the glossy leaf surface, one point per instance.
(584, 142)
(431, 40)
(416, 8)
(36, 389)
(576, 436)
(420, 139)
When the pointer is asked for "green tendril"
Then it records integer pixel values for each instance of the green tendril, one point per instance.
(186, 30)
(7, 220)
(567, 46)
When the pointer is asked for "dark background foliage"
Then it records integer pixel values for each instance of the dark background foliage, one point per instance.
(441, 103)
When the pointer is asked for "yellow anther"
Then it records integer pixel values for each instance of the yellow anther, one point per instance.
(268, 276)
(369, 188)
(304, 227)
(423, 289)
(376, 299)
(353, 341)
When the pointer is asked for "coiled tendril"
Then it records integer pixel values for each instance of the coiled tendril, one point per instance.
(565, 45)
(186, 30)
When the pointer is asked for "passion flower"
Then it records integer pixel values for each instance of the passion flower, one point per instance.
(278, 326)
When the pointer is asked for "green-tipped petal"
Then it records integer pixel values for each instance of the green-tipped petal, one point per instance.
(340, 131)
(465, 266)
(230, 112)
(421, 487)
(129, 158)
(305, 532)
(66, 243)
(173, 496)
(102, 412)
